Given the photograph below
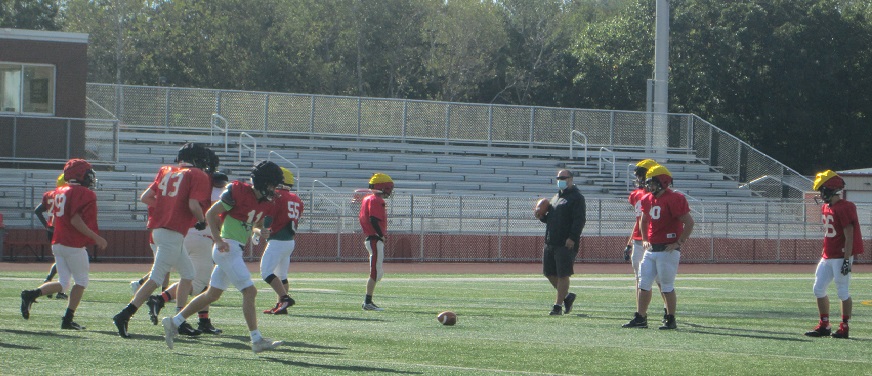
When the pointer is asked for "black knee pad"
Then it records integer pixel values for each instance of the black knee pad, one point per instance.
(270, 278)
(284, 281)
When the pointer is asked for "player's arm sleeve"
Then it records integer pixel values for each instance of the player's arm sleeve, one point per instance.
(227, 199)
(375, 225)
(38, 211)
(579, 217)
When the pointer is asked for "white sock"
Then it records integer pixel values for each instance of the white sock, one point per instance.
(256, 336)
(178, 320)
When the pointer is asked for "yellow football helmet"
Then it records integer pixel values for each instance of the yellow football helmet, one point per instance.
(382, 182)
(287, 177)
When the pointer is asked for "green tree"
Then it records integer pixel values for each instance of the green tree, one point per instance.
(615, 58)
(463, 37)
(30, 14)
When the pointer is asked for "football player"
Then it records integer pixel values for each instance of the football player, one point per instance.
(198, 245)
(175, 196)
(75, 227)
(634, 250)
(232, 220)
(842, 241)
(374, 222)
(45, 206)
(277, 255)
(665, 225)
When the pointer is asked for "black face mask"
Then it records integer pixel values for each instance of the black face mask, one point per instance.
(826, 195)
(266, 194)
(653, 185)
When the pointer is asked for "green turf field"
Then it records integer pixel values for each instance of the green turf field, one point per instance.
(727, 325)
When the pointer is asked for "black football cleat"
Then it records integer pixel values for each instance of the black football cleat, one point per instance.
(822, 330)
(669, 324)
(28, 297)
(121, 321)
(637, 322)
(155, 303)
(70, 325)
(205, 326)
(567, 302)
(556, 310)
(187, 330)
(842, 332)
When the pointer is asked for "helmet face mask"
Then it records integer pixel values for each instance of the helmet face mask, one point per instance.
(385, 188)
(826, 194)
(212, 162)
(90, 180)
(653, 185)
(640, 176)
(641, 171)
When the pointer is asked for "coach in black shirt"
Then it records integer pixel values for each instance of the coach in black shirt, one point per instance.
(564, 221)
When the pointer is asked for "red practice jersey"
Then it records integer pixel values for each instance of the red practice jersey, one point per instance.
(244, 205)
(48, 205)
(835, 218)
(663, 213)
(288, 209)
(636, 202)
(173, 187)
(373, 206)
(70, 200)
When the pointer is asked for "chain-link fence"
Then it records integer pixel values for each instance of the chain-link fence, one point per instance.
(445, 228)
(430, 228)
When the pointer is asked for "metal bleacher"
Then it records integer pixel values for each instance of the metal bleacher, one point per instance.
(344, 163)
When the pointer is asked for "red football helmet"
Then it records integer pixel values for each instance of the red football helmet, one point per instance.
(80, 171)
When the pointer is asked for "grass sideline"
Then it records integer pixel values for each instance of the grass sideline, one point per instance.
(728, 324)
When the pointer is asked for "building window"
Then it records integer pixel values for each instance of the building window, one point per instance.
(27, 88)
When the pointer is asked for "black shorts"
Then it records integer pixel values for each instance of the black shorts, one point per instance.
(558, 261)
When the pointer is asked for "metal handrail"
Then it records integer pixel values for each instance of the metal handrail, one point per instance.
(780, 180)
(694, 199)
(252, 149)
(338, 206)
(214, 126)
(297, 168)
(630, 176)
(612, 161)
(573, 142)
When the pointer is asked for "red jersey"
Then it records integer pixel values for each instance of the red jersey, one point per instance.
(373, 206)
(663, 213)
(835, 218)
(173, 187)
(244, 211)
(70, 200)
(636, 202)
(288, 209)
(48, 205)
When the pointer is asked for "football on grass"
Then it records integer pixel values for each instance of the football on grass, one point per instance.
(447, 318)
(541, 208)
